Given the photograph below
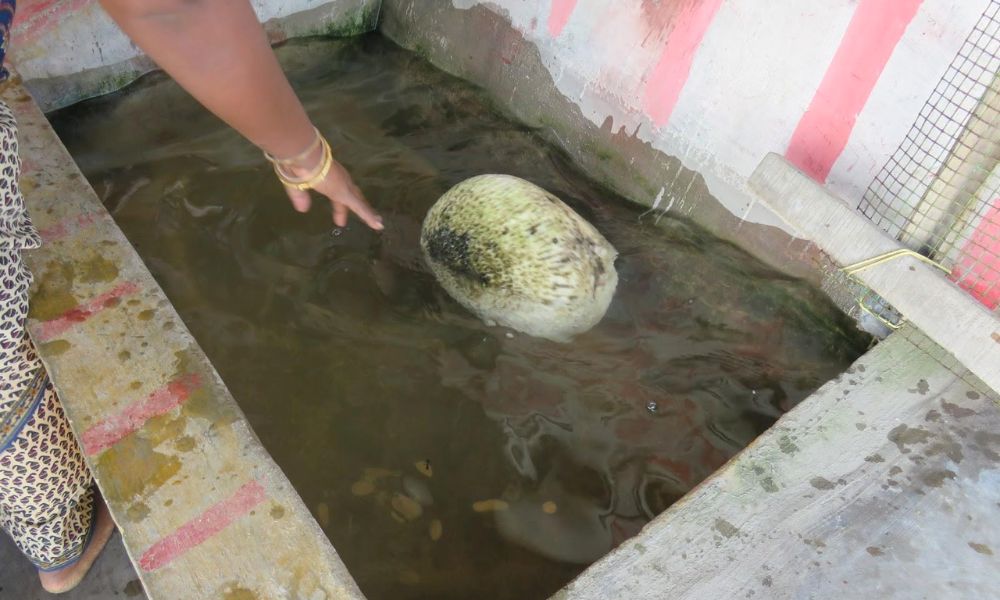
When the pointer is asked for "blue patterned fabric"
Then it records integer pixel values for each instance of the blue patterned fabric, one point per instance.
(6, 20)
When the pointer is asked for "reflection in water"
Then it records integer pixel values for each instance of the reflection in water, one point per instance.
(446, 459)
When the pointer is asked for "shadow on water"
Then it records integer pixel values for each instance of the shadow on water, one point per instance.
(444, 458)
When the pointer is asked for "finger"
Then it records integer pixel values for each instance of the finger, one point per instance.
(300, 199)
(364, 210)
(340, 213)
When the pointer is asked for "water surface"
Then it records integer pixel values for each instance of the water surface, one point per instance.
(444, 458)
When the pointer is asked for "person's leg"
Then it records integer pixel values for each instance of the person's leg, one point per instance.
(48, 502)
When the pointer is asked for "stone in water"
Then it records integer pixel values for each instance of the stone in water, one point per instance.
(515, 255)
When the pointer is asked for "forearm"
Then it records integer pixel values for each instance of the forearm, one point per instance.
(218, 52)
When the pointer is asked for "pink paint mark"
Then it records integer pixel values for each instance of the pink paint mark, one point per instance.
(873, 33)
(978, 270)
(34, 18)
(203, 527)
(668, 77)
(110, 431)
(68, 226)
(50, 329)
(559, 15)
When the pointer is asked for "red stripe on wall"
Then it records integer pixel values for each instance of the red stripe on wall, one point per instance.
(668, 77)
(35, 18)
(822, 133)
(978, 270)
(110, 431)
(207, 524)
(559, 15)
(49, 329)
(68, 226)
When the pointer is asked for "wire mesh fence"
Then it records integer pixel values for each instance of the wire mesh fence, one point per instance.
(939, 193)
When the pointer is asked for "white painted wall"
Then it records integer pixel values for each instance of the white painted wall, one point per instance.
(752, 78)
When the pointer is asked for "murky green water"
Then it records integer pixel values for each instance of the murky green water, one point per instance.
(394, 412)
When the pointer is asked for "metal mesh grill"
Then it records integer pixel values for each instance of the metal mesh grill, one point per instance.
(939, 193)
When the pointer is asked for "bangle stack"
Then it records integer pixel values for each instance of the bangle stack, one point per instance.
(314, 178)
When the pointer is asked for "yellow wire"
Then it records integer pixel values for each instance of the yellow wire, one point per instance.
(868, 263)
(888, 256)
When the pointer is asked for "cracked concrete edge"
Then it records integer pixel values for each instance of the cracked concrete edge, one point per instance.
(921, 293)
(203, 509)
(842, 497)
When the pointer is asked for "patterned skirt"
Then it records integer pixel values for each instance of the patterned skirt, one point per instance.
(47, 501)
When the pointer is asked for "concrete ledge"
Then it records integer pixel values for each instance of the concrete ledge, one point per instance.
(942, 310)
(203, 510)
(882, 484)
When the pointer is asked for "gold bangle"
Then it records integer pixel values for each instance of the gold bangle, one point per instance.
(313, 179)
(301, 155)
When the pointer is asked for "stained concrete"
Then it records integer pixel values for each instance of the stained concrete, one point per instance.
(884, 484)
(111, 577)
(203, 510)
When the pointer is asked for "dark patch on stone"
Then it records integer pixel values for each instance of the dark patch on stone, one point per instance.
(971, 395)
(787, 445)
(922, 388)
(981, 548)
(768, 484)
(860, 426)
(821, 483)
(874, 458)
(903, 436)
(895, 471)
(955, 410)
(767, 581)
(451, 249)
(936, 477)
(948, 447)
(932, 416)
(985, 440)
(726, 528)
(874, 551)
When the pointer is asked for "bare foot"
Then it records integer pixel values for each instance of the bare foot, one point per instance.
(67, 578)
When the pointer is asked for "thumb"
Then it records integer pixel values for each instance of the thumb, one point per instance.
(300, 198)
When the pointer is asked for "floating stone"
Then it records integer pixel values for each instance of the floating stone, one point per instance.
(436, 529)
(406, 507)
(323, 514)
(517, 256)
(362, 488)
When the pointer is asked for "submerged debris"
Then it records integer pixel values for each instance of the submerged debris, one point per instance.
(490, 505)
(436, 530)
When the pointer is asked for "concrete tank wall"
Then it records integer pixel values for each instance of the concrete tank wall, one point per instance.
(832, 85)
(68, 50)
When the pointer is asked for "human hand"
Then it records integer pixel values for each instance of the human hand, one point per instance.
(337, 186)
